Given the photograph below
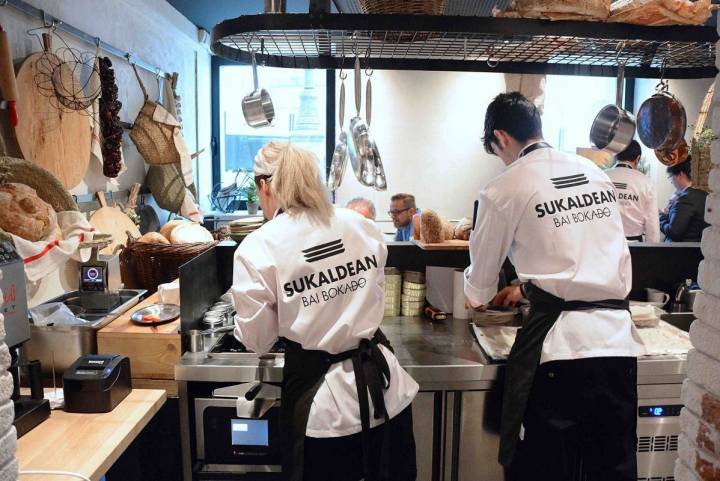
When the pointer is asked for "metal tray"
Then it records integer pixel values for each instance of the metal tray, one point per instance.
(162, 314)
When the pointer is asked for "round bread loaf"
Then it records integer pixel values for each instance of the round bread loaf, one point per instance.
(189, 233)
(168, 228)
(153, 238)
(25, 214)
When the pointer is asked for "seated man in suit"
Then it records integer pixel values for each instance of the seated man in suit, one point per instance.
(684, 218)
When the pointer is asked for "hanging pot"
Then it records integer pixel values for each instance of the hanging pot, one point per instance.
(614, 128)
(257, 106)
(661, 120)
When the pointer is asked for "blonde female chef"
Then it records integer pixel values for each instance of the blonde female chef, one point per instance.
(314, 276)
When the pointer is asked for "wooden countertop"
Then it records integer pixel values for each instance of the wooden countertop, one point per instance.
(123, 324)
(88, 444)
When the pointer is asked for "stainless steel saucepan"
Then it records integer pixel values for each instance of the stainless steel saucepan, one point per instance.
(614, 127)
(257, 106)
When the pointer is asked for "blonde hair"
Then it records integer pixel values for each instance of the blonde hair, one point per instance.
(296, 183)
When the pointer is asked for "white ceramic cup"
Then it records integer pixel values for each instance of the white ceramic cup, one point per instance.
(655, 295)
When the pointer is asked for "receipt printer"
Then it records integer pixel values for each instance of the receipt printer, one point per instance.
(96, 383)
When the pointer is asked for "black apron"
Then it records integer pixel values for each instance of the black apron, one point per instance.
(304, 372)
(524, 359)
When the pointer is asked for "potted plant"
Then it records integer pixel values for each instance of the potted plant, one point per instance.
(252, 198)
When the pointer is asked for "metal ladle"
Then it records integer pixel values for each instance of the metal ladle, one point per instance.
(340, 155)
(361, 156)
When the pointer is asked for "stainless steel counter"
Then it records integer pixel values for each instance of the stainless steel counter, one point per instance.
(440, 356)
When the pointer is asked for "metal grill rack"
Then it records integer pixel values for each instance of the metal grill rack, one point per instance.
(467, 43)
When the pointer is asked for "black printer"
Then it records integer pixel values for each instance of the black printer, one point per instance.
(96, 383)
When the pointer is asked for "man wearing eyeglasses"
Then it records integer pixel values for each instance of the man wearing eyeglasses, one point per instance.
(402, 210)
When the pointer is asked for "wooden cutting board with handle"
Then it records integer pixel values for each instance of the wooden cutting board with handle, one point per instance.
(58, 140)
(113, 221)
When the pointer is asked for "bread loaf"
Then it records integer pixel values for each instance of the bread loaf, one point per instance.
(154, 238)
(434, 228)
(168, 228)
(188, 233)
(25, 214)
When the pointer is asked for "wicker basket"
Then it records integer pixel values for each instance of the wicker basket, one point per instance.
(145, 266)
(701, 165)
(45, 184)
(414, 7)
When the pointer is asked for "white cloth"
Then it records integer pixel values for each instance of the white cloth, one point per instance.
(323, 287)
(170, 292)
(638, 202)
(189, 209)
(45, 256)
(565, 235)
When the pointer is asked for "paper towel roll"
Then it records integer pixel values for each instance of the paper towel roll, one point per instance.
(459, 311)
(441, 287)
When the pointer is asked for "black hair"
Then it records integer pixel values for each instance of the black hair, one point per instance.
(681, 168)
(631, 153)
(516, 115)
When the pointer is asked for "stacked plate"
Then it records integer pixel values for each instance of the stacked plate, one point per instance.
(413, 294)
(393, 291)
(240, 228)
(495, 316)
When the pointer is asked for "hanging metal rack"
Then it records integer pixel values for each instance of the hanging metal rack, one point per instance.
(468, 43)
(49, 22)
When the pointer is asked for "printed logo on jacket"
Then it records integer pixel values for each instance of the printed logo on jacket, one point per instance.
(578, 208)
(341, 279)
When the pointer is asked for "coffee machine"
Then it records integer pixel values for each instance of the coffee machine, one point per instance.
(29, 410)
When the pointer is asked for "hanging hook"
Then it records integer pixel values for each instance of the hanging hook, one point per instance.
(342, 75)
(157, 72)
(619, 50)
(663, 84)
(355, 44)
(97, 42)
(128, 57)
(368, 70)
(489, 61)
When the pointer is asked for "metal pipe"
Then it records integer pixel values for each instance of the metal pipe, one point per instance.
(47, 19)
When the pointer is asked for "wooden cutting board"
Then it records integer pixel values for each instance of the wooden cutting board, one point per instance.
(450, 245)
(113, 221)
(52, 138)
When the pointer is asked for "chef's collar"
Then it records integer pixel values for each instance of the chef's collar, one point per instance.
(262, 167)
(540, 144)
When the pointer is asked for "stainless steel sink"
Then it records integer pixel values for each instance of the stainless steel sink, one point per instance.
(60, 346)
(681, 320)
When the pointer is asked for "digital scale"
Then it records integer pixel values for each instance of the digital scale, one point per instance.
(93, 290)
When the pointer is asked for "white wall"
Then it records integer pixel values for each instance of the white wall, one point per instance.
(155, 32)
(691, 94)
(428, 128)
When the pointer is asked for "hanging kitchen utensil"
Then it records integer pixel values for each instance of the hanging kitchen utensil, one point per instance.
(661, 119)
(8, 85)
(340, 155)
(68, 76)
(57, 140)
(614, 127)
(257, 106)
(113, 221)
(360, 154)
(379, 180)
(673, 156)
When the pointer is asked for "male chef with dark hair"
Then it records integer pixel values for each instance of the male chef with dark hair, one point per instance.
(636, 196)
(570, 380)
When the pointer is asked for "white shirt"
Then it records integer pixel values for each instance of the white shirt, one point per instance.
(638, 202)
(321, 286)
(556, 216)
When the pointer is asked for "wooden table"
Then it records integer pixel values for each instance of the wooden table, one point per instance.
(88, 444)
(153, 350)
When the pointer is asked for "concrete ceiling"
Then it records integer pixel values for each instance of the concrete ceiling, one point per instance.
(208, 13)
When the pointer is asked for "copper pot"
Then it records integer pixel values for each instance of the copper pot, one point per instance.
(673, 156)
(661, 120)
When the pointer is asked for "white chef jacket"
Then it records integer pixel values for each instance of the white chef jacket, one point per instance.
(638, 202)
(321, 286)
(556, 216)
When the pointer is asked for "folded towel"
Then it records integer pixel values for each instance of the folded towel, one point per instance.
(712, 209)
(703, 404)
(704, 370)
(702, 434)
(704, 463)
(710, 243)
(707, 308)
(170, 292)
(709, 276)
(683, 472)
(714, 179)
(705, 339)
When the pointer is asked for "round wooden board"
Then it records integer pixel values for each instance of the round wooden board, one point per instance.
(113, 221)
(57, 140)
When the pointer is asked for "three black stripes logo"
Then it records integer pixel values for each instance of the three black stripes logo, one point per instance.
(323, 251)
(620, 185)
(569, 181)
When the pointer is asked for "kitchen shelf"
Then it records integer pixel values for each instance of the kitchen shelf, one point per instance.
(467, 43)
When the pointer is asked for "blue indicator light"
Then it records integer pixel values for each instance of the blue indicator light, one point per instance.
(657, 411)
